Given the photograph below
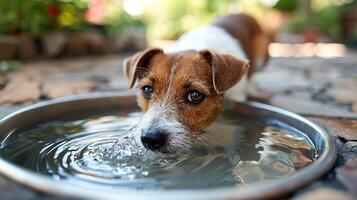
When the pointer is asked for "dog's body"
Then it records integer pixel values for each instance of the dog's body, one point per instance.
(216, 38)
(238, 35)
(183, 87)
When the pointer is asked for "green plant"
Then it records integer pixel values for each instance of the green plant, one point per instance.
(122, 21)
(287, 5)
(328, 21)
(37, 17)
(25, 16)
(325, 19)
(170, 18)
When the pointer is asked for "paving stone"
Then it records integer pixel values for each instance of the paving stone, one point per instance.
(58, 89)
(257, 94)
(3, 80)
(306, 106)
(354, 107)
(324, 194)
(346, 82)
(20, 90)
(345, 128)
(311, 86)
(351, 144)
(347, 174)
(323, 75)
(343, 95)
(10, 190)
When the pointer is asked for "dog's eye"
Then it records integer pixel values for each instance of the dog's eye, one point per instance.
(147, 91)
(195, 97)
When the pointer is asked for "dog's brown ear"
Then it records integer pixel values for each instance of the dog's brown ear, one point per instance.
(138, 62)
(227, 70)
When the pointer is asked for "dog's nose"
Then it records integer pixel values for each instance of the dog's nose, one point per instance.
(153, 140)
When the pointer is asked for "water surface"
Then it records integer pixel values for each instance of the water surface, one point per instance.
(102, 150)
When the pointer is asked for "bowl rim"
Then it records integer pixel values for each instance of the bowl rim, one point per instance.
(254, 191)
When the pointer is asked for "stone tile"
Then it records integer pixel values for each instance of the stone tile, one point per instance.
(307, 106)
(344, 128)
(328, 83)
(347, 174)
(354, 107)
(20, 90)
(257, 94)
(351, 144)
(56, 89)
(10, 190)
(324, 194)
(3, 80)
(343, 95)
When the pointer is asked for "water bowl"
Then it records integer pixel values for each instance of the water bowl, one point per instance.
(85, 147)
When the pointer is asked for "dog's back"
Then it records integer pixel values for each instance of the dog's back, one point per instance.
(236, 34)
(253, 40)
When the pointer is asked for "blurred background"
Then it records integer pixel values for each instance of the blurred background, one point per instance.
(56, 48)
(34, 29)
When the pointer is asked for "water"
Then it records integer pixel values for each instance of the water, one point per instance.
(103, 151)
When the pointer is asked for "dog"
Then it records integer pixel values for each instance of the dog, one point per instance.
(183, 88)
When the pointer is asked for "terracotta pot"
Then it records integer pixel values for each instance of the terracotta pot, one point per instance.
(311, 34)
(349, 25)
(27, 48)
(8, 46)
(53, 44)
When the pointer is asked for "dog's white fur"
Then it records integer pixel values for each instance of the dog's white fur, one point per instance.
(162, 116)
(158, 117)
(216, 38)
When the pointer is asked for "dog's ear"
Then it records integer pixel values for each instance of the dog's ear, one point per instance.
(138, 62)
(227, 70)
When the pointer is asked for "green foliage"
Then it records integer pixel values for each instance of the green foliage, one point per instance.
(119, 23)
(287, 5)
(325, 19)
(171, 18)
(36, 17)
(164, 19)
(25, 15)
(328, 21)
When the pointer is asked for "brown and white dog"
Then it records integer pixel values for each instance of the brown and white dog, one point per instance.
(182, 88)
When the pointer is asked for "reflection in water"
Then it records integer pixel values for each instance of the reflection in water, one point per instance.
(103, 151)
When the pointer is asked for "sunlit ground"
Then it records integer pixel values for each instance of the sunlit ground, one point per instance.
(322, 50)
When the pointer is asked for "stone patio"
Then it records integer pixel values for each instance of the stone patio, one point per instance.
(323, 90)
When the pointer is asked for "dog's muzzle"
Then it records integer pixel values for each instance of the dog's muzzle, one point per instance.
(154, 139)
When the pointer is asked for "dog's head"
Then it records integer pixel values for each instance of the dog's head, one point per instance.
(181, 93)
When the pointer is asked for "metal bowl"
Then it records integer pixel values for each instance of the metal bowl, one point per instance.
(77, 107)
